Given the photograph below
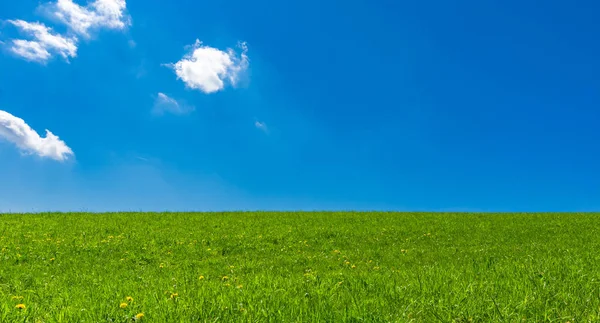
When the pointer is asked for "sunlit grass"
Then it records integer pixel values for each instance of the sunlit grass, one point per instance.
(299, 267)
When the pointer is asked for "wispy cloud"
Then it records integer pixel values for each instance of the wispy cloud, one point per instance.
(261, 126)
(209, 69)
(142, 158)
(99, 14)
(19, 133)
(163, 103)
(45, 42)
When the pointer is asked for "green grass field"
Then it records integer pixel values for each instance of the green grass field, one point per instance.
(300, 267)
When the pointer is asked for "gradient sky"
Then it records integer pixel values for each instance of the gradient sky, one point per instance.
(387, 105)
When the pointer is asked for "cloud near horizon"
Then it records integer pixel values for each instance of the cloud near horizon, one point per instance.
(209, 69)
(107, 14)
(19, 133)
(163, 103)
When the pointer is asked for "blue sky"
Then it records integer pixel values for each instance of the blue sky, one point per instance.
(386, 105)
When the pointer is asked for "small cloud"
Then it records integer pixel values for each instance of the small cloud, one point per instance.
(208, 69)
(164, 103)
(262, 126)
(99, 14)
(45, 43)
(132, 43)
(17, 132)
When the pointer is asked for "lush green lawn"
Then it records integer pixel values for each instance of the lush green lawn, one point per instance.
(301, 267)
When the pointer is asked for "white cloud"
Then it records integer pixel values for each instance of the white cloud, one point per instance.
(30, 50)
(164, 103)
(98, 14)
(45, 42)
(207, 69)
(16, 131)
(262, 126)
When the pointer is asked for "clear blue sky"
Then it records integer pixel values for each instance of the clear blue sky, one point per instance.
(388, 105)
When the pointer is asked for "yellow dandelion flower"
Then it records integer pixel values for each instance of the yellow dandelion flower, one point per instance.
(123, 305)
(129, 299)
(161, 266)
(336, 251)
(174, 295)
(201, 277)
(52, 259)
(353, 266)
(139, 316)
(225, 277)
(240, 286)
(20, 306)
(346, 262)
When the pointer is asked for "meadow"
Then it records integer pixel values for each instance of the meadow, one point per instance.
(299, 267)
